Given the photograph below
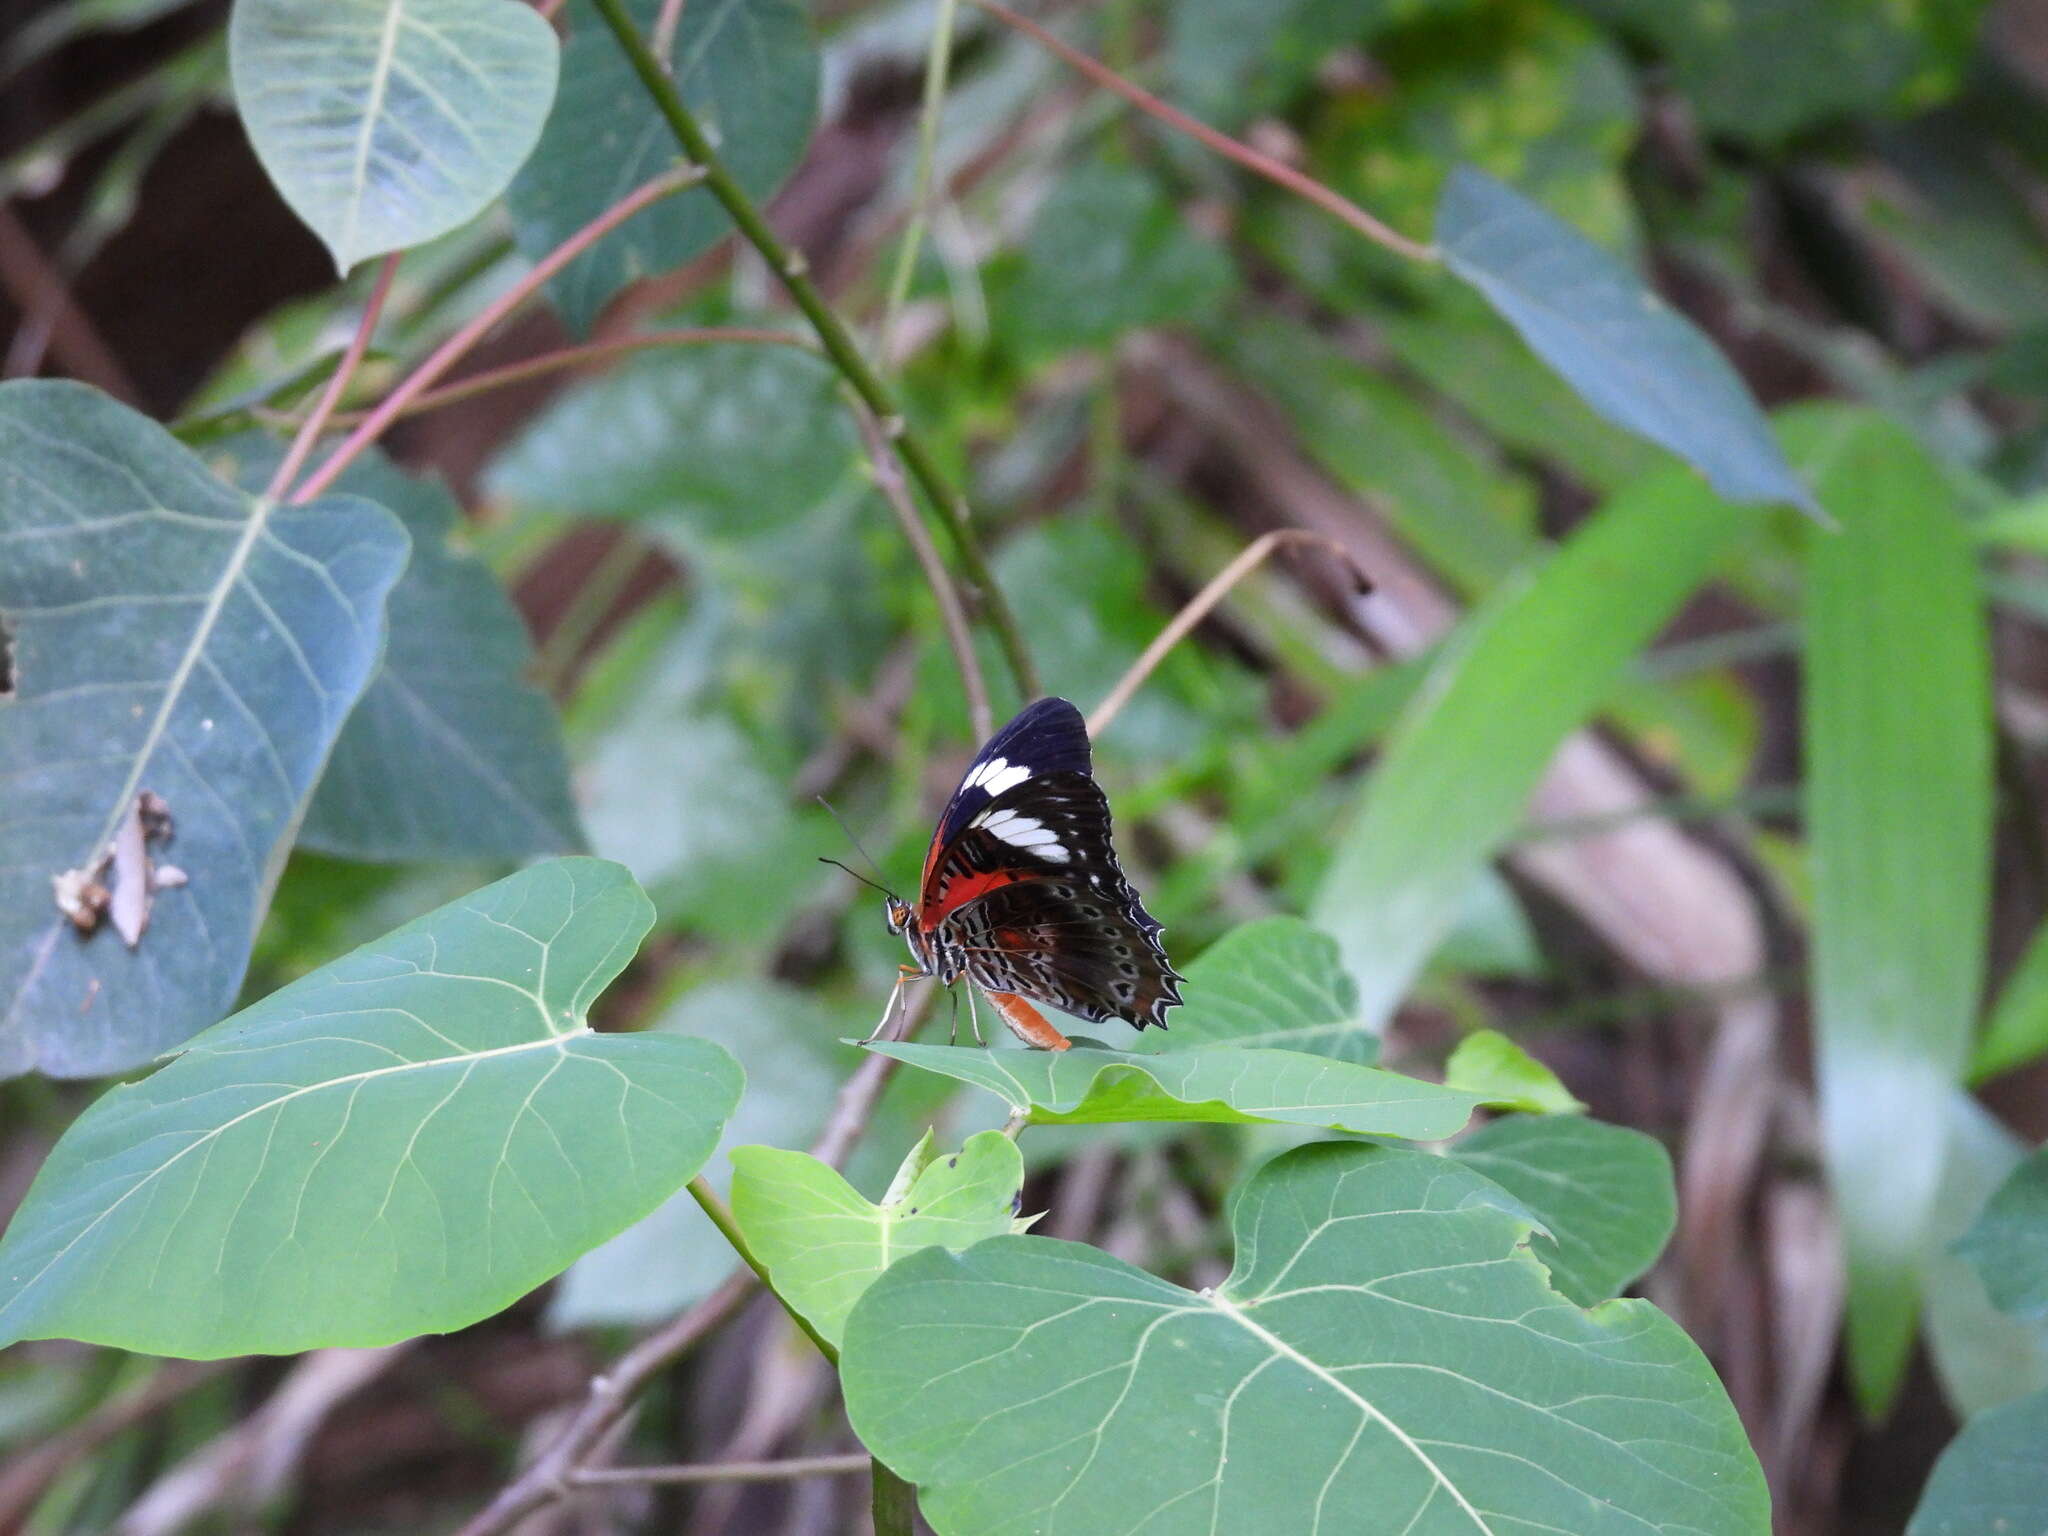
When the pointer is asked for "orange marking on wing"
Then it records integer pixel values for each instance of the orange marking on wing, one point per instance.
(960, 893)
(1027, 1023)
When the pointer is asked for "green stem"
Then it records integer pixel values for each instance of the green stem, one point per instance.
(895, 1504)
(938, 64)
(722, 1218)
(838, 342)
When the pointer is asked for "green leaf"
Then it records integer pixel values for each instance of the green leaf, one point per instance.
(2008, 1245)
(1107, 254)
(1522, 672)
(1235, 59)
(1386, 1357)
(674, 1256)
(714, 443)
(1992, 1478)
(451, 754)
(1275, 981)
(1898, 809)
(748, 69)
(2017, 1031)
(824, 1245)
(1632, 357)
(1226, 1085)
(385, 123)
(1604, 1192)
(170, 634)
(402, 1142)
(1487, 1062)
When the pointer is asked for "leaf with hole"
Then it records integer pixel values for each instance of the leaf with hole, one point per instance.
(386, 123)
(748, 70)
(1228, 1085)
(1387, 1356)
(171, 635)
(402, 1142)
(452, 753)
(1604, 1193)
(824, 1245)
(1634, 359)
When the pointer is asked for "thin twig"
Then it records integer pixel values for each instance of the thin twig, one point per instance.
(721, 1216)
(485, 320)
(889, 480)
(938, 64)
(663, 38)
(588, 609)
(488, 379)
(36, 284)
(337, 383)
(1233, 149)
(790, 1470)
(1197, 608)
(794, 273)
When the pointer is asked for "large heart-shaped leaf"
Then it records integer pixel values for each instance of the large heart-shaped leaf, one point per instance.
(1637, 361)
(1275, 981)
(824, 1245)
(1387, 1357)
(402, 1142)
(1222, 1084)
(1603, 1191)
(747, 68)
(2008, 1245)
(388, 122)
(1898, 803)
(452, 753)
(171, 635)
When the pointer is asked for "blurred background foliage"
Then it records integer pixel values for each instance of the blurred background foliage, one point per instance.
(1779, 830)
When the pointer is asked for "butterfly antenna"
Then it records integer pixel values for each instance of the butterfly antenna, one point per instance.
(878, 883)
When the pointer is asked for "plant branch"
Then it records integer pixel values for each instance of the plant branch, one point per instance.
(1231, 149)
(722, 1218)
(889, 480)
(485, 320)
(337, 382)
(794, 273)
(938, 65)
(787, 1471)
(1198, 607)
(488, 379)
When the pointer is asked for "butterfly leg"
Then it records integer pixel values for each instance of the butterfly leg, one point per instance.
(974, 1016)
(904, 974)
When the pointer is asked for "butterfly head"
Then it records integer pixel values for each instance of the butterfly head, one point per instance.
(900, 913)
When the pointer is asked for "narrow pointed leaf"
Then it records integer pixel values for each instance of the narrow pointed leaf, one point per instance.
(1634, 359)
(402, 1142)
(1387, 1357)
(1522, 672)
(747, 68)
(1603, 1192)
(1898, 803)
(175, 635)
(824, 1245)
(385, 123)
(1220, 1084)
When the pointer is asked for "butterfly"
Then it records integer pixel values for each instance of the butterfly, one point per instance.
(1022, 893)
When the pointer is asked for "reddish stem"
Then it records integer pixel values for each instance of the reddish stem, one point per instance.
(1265, 165)
(358, 344)
(456, 346)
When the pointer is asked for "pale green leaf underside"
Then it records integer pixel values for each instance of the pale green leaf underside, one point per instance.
(1275, 981)
(1387, 1357)
(824, 1245)
(402, 1142)
(1225, 1084)
(385, 123)
(171, 634)
(1488, 1062)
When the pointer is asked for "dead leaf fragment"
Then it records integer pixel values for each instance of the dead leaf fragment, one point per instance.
(83, 895)
(130, 906)
(80, 896)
